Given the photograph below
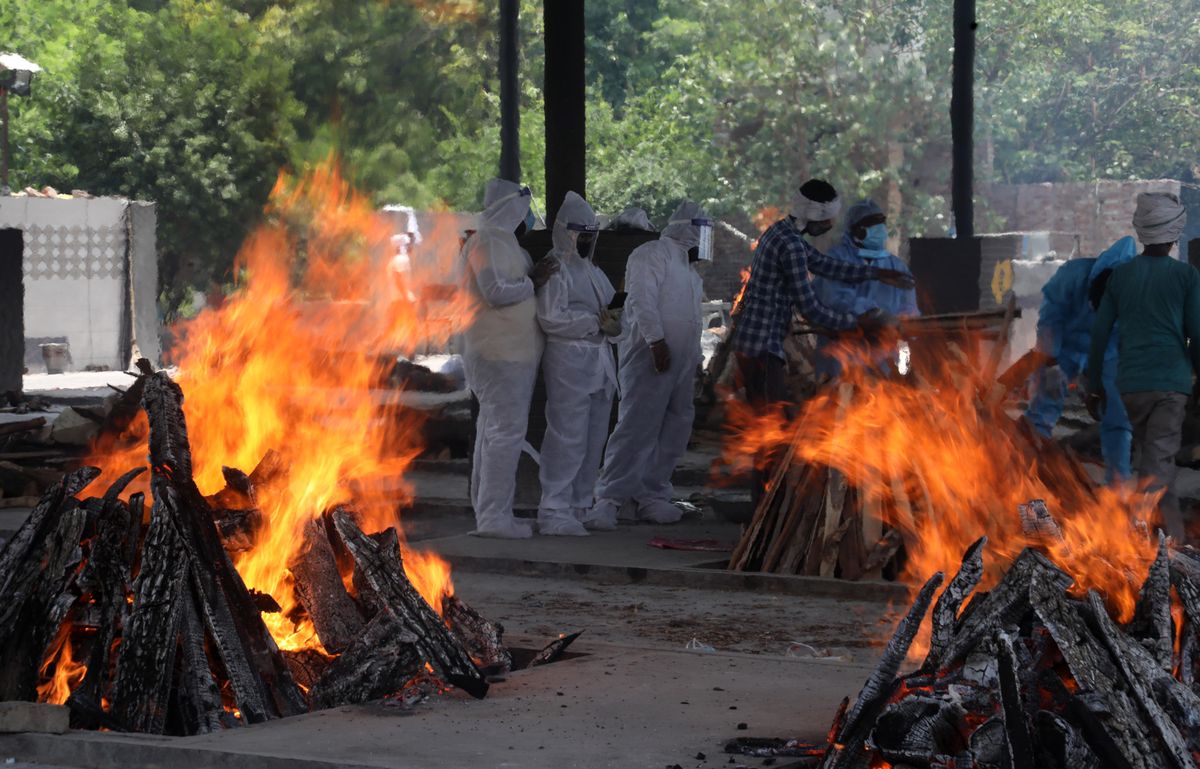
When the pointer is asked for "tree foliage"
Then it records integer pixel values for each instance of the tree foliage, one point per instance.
(197, 104)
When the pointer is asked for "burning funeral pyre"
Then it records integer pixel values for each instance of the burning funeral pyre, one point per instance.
(198, 596)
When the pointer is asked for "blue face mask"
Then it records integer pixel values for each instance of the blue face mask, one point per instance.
(875, 238)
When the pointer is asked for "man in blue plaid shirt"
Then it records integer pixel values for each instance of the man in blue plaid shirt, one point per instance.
(781, 280)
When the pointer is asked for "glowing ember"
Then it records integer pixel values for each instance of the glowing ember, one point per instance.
(289, 363)
(958, 470)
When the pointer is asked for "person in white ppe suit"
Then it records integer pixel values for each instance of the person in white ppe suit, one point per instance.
(658, 360)
(579, 370)
(502, 349)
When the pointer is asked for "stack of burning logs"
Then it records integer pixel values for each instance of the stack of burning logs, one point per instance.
(164, 636)
(1029, 675)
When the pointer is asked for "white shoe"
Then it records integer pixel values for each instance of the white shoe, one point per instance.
(597, 522)
(513, 528)
(659, 511)
(560, 523)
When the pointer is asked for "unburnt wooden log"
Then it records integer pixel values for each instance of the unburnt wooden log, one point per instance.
(1151, 622)
(383, 569)
(261, 682)
(380, 661)
(945, 611)
(146, 659)
(1095, 671)
(848, 750)
(321, 592)
(483, 639)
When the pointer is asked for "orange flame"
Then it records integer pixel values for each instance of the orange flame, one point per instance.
(737, 300)
(945, 469)
(67, 672)
(290, 363)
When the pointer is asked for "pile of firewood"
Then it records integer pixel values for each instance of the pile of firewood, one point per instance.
(173, 640)
(1028, 675)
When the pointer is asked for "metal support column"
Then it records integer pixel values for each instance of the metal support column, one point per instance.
(510, 94)
(566, 104)
(962, 119)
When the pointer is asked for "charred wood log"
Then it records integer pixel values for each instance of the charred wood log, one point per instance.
(380, 661)
(848, 751)
(320, 590)
(383, 569)
(553, 651)
(237, 527)
(1152, 623)
(1088, 724)
(1061, 745)
(1092, 667)
(1003, 606)
(198, 697)
(262, 684)
(917, 728)
(149, 640)
(307, 666)
(483, 639)
(945, 611)
(1020, 744)
(1140, 669)
(989, 745)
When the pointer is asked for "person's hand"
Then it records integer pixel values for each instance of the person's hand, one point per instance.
(542, 271)
(1095, 405)
(610, 322)
(896, 278)
(662, 355)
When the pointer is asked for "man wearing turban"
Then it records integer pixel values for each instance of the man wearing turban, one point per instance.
(1156, 299)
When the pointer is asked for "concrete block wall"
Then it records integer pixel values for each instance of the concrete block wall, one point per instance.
(78, 280)
(1101, 212)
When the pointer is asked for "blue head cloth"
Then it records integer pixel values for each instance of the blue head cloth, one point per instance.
(872, 246)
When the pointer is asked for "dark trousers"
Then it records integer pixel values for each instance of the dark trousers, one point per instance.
(765, 385)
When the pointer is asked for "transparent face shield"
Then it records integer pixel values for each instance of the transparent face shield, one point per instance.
(531, 216)
(705, 228)
(585, 238)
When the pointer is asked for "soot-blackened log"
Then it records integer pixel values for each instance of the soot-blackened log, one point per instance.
(1087, 723)
(1095, 671)
(945, 611)
(554, 650)
(380, 661)
(261, 682)
(989, 744)
(1002, 606)
(198, 697)
(1061, 745)
(916, 728)
(307, 666)
(881, 683)
(146, 661)
(383, 569)
(484, 639)
(1020, 744)
(1140, 669)
(320, 589)
(1152, 618)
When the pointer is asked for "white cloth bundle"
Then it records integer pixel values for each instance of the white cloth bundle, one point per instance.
(806, 210)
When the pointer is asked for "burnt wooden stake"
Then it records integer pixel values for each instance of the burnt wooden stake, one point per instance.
(1152, 623)
(945, 611)
(320, 590)
(380, 661)
(1020, 744)
(484, 639)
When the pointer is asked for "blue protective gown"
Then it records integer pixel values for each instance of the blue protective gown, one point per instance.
(1064, 332)
(860, 297)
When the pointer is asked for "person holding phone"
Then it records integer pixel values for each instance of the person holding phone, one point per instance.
(574, 310)
(659, 355)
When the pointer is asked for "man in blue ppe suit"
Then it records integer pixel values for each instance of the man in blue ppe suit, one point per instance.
(1064, 333)
(864, 243)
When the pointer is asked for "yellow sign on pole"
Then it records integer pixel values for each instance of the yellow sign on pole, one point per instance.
(1002, 280)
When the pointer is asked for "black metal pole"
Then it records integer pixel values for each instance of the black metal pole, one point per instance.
(566, 102)
(4, 189)
(510, 95)
(962, 119)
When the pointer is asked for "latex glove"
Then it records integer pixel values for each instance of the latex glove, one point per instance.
(542, 271)
(895, 278)
(1095, 405)
(662, 355)
(610, 322)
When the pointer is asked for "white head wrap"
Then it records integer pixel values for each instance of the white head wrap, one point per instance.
(680, 227)
(1159, 218)
(574, 210)
(806, 210)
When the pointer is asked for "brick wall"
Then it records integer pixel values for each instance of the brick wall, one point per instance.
(1100, 212)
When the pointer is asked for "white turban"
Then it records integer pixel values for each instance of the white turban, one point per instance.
(1159, 218)
(806, 210)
